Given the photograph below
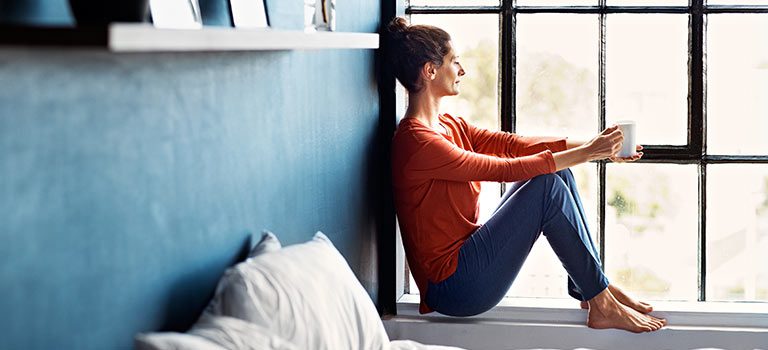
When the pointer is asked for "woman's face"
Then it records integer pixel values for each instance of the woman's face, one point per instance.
(448, 75)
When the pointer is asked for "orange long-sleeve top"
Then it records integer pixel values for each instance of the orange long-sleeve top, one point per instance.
(436, 180)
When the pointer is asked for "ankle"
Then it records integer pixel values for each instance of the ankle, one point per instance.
(602, 301)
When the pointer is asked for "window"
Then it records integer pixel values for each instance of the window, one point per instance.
(689, 222)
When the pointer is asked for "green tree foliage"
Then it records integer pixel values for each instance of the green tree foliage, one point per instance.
(553, 90)
(479, 90)
(623, 204)
(639, 279)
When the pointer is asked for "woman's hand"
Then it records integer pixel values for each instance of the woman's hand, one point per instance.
(637, 156)
(605, 145)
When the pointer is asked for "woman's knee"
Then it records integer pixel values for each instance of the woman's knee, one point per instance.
(553, 184)
(544, 179)
(565, 174)
(550, 181)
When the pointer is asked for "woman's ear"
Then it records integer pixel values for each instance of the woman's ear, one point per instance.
(429, 71)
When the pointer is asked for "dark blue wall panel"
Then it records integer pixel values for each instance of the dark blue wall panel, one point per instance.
(129, 182)
(36, 12)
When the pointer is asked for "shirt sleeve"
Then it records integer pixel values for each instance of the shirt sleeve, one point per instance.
(505, 144)
(438, 158)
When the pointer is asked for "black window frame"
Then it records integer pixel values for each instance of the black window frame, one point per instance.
(694, 152)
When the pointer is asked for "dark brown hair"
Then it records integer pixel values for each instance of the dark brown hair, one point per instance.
(412, 46)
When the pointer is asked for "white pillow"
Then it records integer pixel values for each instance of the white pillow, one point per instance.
(229, 297)
(267, 243)
(214, 333)
(233, 333)
(412, 345)
(304, 293)
(173, 341)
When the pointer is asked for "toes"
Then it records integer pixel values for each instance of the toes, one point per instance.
(646, 307)
(649, 321)
(657, 322)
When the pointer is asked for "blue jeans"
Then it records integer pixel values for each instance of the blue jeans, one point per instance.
(491, 258)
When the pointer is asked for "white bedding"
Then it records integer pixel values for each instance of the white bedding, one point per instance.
(228, 333)
(301, 297)
(412, 345)
(233, 333)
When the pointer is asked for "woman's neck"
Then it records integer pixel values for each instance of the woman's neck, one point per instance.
(424, 107)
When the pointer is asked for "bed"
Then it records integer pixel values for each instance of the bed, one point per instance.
(301, 297)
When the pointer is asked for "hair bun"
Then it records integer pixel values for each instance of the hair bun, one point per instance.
(398, 25)
(409, 47)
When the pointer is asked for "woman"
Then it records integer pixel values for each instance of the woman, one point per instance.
(463, 268)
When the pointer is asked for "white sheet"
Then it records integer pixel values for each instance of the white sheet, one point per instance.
(412, 345)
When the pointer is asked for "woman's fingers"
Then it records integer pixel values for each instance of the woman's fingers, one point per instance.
(637, 156)
(617, 136)
(610, 129)
(612, 133)
(607, 143)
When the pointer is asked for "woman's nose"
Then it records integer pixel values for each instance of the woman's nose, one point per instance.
(461, 71)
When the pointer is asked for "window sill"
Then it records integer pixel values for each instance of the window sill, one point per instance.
(711, 315)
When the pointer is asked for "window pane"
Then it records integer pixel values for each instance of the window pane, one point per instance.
(476, 41)
(542, 274)
(651, 229)
(737, 235)
(557, 75)
(737, 84)
(454, 2)
(647, 75)
(647, 2)
(556, 2)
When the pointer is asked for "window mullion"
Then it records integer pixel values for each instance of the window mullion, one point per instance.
(508, 64)
(451, 10)
(696, 106)
(601, 186)
(702, 247)
(696, 129)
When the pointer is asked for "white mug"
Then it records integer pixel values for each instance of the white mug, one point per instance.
(628, 147)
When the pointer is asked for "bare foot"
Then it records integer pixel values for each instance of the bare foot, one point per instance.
(629, 301)
(626, 300)
(605, 311)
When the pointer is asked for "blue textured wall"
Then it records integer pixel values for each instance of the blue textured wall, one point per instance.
(129, 182)
(36, 12)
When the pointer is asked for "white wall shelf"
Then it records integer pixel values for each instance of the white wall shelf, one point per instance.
(129, 37)
(141, 38)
